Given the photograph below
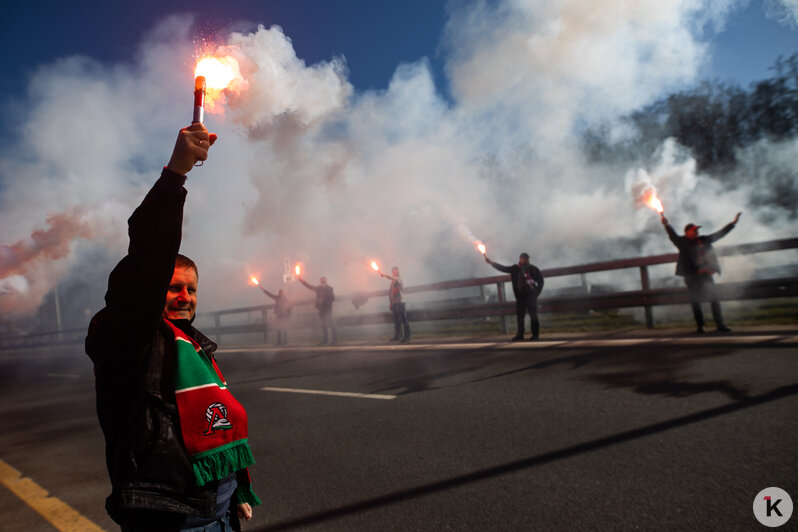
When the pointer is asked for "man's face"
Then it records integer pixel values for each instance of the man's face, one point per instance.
(692, 233)
(523, 261)
(181, 298)
(395, 272)
(323, 280)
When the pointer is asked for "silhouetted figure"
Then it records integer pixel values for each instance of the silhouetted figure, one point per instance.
(324, 302)
(697, 263)
(282, 313)
(396, 299)
(527, 285)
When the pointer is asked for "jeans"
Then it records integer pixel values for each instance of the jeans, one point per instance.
(153, 521)
(281, 328)
(702, 288)
(524, 304)
(327, 322)
(222, 525)
(400, 320)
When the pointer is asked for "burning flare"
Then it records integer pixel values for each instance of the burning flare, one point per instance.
(297, 270)
(217, 74)
(254, 280)
(481, 247)
(375, 266)
(654, 202)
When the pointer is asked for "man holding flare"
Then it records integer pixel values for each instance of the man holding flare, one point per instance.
(396, 303)
(176, 439)
(697, 263)
(324, 304)
(527, 285)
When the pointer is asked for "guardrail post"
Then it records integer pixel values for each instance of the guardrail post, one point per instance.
(265, 326)
(217, 320)
(502, 299)
(644, 281)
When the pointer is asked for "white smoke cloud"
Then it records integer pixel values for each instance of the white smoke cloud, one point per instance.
(783, 11)
(310, 170)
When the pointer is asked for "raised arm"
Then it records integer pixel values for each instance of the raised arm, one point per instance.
(273, 296)
(391, 277)
(501, 268)
(307, 284)
(725, 231)
(138, 284)
(671, 232)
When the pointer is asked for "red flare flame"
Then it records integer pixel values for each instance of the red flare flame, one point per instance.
(653, 202)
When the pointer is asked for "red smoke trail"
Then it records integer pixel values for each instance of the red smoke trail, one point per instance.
(45, 244)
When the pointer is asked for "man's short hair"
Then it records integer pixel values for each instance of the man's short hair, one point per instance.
(184, 262)
(524, 256)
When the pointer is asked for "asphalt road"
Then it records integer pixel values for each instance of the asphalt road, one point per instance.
(655, 433)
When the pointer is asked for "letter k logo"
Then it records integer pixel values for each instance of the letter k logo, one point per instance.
(772, 507)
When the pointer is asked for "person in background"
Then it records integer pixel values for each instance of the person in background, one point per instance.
(324, 303)
(177, 451)
(396, 299)
(282, 311)
(527, 286)
(697, 264)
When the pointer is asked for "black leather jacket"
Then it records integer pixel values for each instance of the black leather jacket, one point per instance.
(696, 257)
(134, 356)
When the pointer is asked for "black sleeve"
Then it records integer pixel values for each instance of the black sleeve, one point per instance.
(137, 286)
(720, 234)
(307, 285)
(676, 239)
(273, 296)
(538, 278)
(505, 269)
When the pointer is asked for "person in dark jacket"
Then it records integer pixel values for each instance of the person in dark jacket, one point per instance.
(527, 286)
(144, 348)
(697, 263)
(324, 303)
(282, 311)
(396, 300)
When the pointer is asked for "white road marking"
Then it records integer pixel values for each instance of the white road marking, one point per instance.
(325, 392)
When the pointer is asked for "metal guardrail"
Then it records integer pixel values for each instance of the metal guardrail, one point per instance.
(646, 297)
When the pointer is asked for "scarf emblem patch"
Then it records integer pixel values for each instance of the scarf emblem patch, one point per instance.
(216, 415)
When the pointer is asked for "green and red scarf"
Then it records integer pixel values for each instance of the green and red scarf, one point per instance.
(212, 422)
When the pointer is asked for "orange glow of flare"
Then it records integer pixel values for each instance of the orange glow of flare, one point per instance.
(297, 270)
(375, 266)
(220, 73)
(481, 247)
(654, 202)
(254, 280)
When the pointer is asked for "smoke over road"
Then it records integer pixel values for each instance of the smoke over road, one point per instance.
(309, 169)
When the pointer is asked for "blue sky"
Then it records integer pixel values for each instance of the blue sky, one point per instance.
(522, 77)
(373, 36)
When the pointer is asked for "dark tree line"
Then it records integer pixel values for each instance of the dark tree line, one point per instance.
(712, 120)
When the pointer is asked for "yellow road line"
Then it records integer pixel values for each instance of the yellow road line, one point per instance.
(56, 512)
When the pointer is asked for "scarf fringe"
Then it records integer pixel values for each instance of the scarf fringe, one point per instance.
(244, 494)
(219, 464)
